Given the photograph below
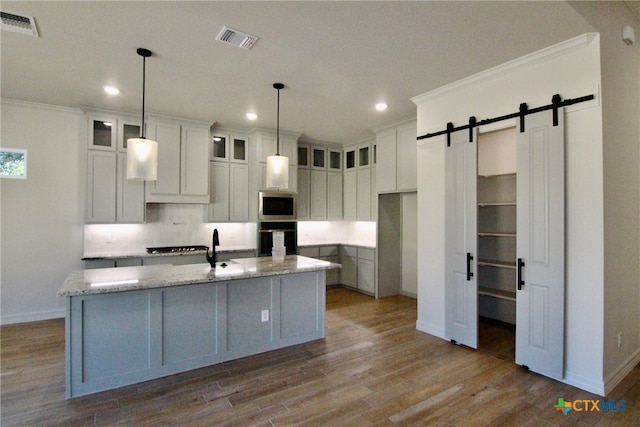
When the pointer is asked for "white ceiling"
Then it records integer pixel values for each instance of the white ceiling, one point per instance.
(336, 59)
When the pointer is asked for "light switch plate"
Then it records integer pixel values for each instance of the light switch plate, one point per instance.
(265, 316)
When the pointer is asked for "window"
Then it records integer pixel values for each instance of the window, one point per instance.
(13, 163)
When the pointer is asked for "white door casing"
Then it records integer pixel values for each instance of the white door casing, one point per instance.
(461, 211)
(540, 245)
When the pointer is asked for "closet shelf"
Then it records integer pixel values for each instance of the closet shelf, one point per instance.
(496, 234)
(489, 204)
(497, 293)
(496, 263)
(497, 175)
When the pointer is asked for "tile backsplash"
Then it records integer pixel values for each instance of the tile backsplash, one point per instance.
(182, 224)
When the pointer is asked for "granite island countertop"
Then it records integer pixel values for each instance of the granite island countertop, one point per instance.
(88, 256)
(122, 279)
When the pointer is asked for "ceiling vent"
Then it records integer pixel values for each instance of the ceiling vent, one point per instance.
(236, 38)
(19, 24)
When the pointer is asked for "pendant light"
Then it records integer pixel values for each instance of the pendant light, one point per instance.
(142, 153)
(278, 166)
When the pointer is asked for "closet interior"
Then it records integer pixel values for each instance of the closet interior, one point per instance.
(496, 198)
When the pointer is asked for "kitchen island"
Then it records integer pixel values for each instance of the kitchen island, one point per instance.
(131, 324)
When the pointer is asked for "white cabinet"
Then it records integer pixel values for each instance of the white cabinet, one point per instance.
(102, 132)
(229, 179)
(329, 253)
(304, 183)
(111, 197)
(130, 206)
(219, 196)
(263, 144)
(239, 192)
(358, 166)
(334, 195)
(358, 268)
(350, 193)
(318, 195)
(319, 182)
(398, 158)
(194, 170)
(183, 162)
(101, 187)
(363, 205)
(349, 261)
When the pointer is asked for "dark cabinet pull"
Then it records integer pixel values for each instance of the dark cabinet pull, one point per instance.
(520, 280)
(469, 259)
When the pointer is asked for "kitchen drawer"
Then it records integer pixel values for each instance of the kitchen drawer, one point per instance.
(369, 254)
(351, 251)
(310, 251)
(326, 251)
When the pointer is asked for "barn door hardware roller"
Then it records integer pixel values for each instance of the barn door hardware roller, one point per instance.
(523, 111)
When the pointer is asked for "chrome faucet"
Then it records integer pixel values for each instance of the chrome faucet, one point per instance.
(215, 242)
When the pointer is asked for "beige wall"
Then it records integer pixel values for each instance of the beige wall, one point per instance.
(42, 216)
(620, 65)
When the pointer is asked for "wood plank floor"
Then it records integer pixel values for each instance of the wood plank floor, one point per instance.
(373, 369)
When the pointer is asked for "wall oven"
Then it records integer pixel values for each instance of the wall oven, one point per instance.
(265, 236)
(277, 206)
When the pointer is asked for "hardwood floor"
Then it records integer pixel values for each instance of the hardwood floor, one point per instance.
(373, 368)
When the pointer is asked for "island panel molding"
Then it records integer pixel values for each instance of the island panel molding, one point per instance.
(152, 321)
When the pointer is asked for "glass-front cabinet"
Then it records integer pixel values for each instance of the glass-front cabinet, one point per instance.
(225, 147)
(127, 130)
(239, 150)
(319, 158)
(303, 156)
(219, 147)
(335, 160)
(102, 133)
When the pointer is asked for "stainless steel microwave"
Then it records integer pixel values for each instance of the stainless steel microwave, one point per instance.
(277, 205)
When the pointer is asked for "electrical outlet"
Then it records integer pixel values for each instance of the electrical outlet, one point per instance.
(619, 339)
(265, 316)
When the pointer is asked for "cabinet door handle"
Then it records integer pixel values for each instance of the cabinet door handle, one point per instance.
(520, 280)
(469, 259)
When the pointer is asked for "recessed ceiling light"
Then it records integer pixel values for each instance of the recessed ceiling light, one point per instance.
(381, 106)
(252, 116)
(111, 90)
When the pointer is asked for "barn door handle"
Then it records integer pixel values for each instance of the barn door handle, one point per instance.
(469, 259)
(520, 280)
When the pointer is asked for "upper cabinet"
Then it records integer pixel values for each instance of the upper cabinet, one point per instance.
(229, 177)
(319, 181)
(111, 198)
(102, 132)
(183, 162)
(229, 147)
(358, 185)
(397, 170)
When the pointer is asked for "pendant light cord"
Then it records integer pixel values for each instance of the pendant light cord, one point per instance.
(144, 73)
(145, 53)
(278, 126)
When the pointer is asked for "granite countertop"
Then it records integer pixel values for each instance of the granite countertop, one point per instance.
(143, 253)
(107, 280)
(357, 244)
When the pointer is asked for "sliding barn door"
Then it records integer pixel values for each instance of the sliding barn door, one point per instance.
(461, 287)
(540, 246)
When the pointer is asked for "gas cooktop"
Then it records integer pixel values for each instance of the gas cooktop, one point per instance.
(176, 249)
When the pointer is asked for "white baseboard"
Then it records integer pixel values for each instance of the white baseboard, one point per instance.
(31, 317)
(430, 329)
(621, 371)
(583, 383)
